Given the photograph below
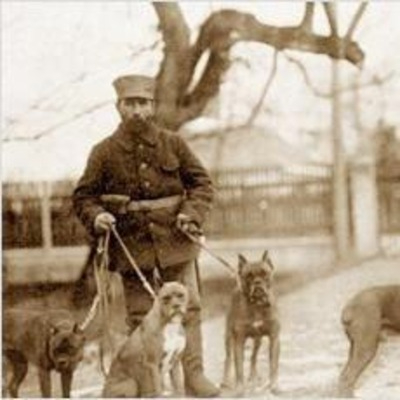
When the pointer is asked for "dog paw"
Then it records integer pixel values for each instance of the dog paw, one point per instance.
(254, 382)
(344, 395)
(227, 393)
(275, 390)
(268, 387)
(240, 391)
(226, 385)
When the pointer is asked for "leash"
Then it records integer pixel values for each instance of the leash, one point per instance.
(133, 263)
(104, 289)
(104, 293)
(102, 273)
(197, 274)
(101, 279)
(91, 314)
(101, 301)
(197, 239)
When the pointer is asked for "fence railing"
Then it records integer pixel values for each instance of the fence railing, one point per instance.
(272, 202)
(253, 202)
(40, 215)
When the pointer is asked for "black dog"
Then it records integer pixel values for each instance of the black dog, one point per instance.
(252, 314)
(48, 339)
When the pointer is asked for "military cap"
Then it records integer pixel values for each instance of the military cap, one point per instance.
(134, 86)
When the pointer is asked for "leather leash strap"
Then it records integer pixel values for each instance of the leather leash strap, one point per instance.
(133, 263)
(201, 244)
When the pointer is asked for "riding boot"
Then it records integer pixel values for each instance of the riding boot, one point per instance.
(196, 384)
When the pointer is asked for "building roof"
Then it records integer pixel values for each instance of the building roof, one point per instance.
(245, 147)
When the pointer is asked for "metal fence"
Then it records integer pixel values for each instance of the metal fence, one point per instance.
(254, 202)
(272, 202)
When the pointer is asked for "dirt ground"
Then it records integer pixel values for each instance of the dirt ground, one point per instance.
(313, 345)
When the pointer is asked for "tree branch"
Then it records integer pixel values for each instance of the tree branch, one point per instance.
(208, 87)
(357, 17)
(331, 16)
(307, 22)
(60, 124)
(306, 77)
(174, 73)
(257, 108)
(138, 52)
(374, 81)
(222, 29)
(226, 27)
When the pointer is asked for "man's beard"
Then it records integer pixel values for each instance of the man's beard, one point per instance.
(137, 124)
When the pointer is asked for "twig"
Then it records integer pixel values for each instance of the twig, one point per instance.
(356, 20)
(374, 81)
(307, 79)
(51, 129)
(145, 49)
(256, 110)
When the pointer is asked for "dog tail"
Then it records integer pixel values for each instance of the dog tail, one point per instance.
(346, 316)
(347, 319)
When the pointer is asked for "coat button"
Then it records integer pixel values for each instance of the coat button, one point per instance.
(140, 147)
(151, 225)
(143, 165)
(146, 184)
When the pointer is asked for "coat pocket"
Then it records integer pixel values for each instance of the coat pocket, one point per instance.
(170, 177)
(170, 164)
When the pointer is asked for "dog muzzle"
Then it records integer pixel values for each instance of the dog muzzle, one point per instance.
(177, 316)
(259, 295)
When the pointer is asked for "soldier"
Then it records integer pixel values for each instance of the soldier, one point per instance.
(148, 182)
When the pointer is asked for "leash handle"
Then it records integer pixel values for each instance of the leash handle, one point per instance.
(101, 250)
(100, 301)
(128, 255)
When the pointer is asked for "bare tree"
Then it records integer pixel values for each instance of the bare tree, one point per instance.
(181, 100)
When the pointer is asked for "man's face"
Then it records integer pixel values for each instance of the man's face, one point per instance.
(136, 112)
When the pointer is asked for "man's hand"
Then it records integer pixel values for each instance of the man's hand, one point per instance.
(103, 222)
(187, 225)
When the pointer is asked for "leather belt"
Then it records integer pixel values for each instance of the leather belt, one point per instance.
(154, 204)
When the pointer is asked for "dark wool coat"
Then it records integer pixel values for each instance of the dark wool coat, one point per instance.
(152, 165)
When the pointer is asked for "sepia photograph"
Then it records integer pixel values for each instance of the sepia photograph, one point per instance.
(200, 199)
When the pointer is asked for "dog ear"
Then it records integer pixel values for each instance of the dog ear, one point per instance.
(265, 258)
(242, 262)
(77, 329)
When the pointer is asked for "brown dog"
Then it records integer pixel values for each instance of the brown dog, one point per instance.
(137, 370)
(48, 339)
(252, 314)
(363, 318)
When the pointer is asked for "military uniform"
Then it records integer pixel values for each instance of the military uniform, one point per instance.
(158, 176)
(155, 165)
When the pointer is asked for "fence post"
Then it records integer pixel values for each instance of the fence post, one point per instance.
(45, 208)
(364, 201)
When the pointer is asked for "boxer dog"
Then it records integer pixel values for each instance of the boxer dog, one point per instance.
(174, 345)
(49, 339)
(152, 350)
(252, 314)
(363, 318)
